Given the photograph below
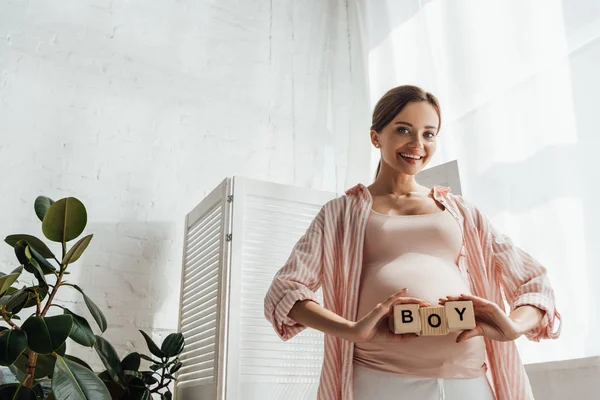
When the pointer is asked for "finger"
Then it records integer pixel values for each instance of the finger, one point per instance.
(466, 335)
(409, 336)
(453, 298)
(410, 300)
(477, 301)
(472, 298)
(404, 337)
(395, 296)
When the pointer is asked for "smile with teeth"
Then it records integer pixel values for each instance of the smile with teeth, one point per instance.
(410, 156)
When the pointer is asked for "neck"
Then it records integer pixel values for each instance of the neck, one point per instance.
(398, 184)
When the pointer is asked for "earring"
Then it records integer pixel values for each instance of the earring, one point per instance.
(377, 145)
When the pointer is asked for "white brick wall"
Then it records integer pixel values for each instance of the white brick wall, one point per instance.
(139, 108)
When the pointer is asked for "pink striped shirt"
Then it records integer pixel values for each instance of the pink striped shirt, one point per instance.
(329, 255)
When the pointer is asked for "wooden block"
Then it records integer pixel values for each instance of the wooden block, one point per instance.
(407, 319)
(460, 315)
(434, 321)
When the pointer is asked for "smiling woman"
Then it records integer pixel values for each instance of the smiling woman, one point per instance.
(398, 242)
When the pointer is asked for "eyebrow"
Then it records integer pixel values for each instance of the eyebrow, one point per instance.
(409, 124)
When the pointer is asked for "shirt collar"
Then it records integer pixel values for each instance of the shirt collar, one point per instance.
(438, 191)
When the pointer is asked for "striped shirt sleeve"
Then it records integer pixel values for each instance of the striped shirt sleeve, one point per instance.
(523, 279)
(297, 280)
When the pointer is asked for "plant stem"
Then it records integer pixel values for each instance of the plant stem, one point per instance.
(31, 362)
(64, 253)
(58, 281)
(52, 294)
(8, 321)
(38, 307)
(162, 384)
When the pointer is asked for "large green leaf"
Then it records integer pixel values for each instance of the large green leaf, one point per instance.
(94, 310)
(16, 392)
(25, 257)
(34, 242)
(44, 365)
(7, 280)
(73, 381)
(47, 334)
(175, 367)
(109, 358)
(82, 332)
(45, 265)
(131, 362)
(12, 343)
(116, 391)
(148, 358)
(20, 376)
(149, 378)
(172, 345)
(34, 267)
(138, 390)
(65, 220)
(16, 301)
(77, 250)
(19, 248)
(41, 291)
(41, 206)
(152, 346)
(78, 361)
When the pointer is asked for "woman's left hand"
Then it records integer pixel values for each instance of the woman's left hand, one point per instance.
(490, 320)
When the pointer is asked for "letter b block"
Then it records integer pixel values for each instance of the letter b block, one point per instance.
(434, 321)
(460, 315)
(407, 319)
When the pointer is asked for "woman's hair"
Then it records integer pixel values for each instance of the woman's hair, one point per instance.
(394, 101)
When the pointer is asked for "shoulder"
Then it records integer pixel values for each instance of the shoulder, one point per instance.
(336, 205)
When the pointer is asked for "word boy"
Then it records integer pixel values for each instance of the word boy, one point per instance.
(453, 316)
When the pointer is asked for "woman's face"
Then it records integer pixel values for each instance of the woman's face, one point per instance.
(413, 132)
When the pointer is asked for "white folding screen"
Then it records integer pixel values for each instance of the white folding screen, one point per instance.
(236, 239)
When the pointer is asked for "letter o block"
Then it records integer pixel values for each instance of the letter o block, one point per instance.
(407, 319)
(434, 321)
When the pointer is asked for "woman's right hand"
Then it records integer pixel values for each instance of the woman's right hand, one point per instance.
(375, 325)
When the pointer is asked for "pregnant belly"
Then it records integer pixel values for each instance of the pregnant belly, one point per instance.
(426, 277)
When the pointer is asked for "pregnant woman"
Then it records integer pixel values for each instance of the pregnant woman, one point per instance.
(397, 242)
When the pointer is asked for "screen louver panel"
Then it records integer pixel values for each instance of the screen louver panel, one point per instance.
(203, 292)
(199, 300)
(274, 218)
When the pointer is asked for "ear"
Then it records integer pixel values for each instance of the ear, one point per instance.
(374, 138)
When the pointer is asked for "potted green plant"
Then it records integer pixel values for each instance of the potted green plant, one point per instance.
(35, 349)
(125, 380)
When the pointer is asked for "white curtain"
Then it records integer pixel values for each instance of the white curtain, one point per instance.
(518, 83)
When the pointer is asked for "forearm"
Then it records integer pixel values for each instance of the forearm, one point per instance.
(313, 315)
(526, 317)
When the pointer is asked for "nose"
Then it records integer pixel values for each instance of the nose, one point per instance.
(416, 142)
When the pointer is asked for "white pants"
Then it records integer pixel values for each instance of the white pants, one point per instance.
(370, 384)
